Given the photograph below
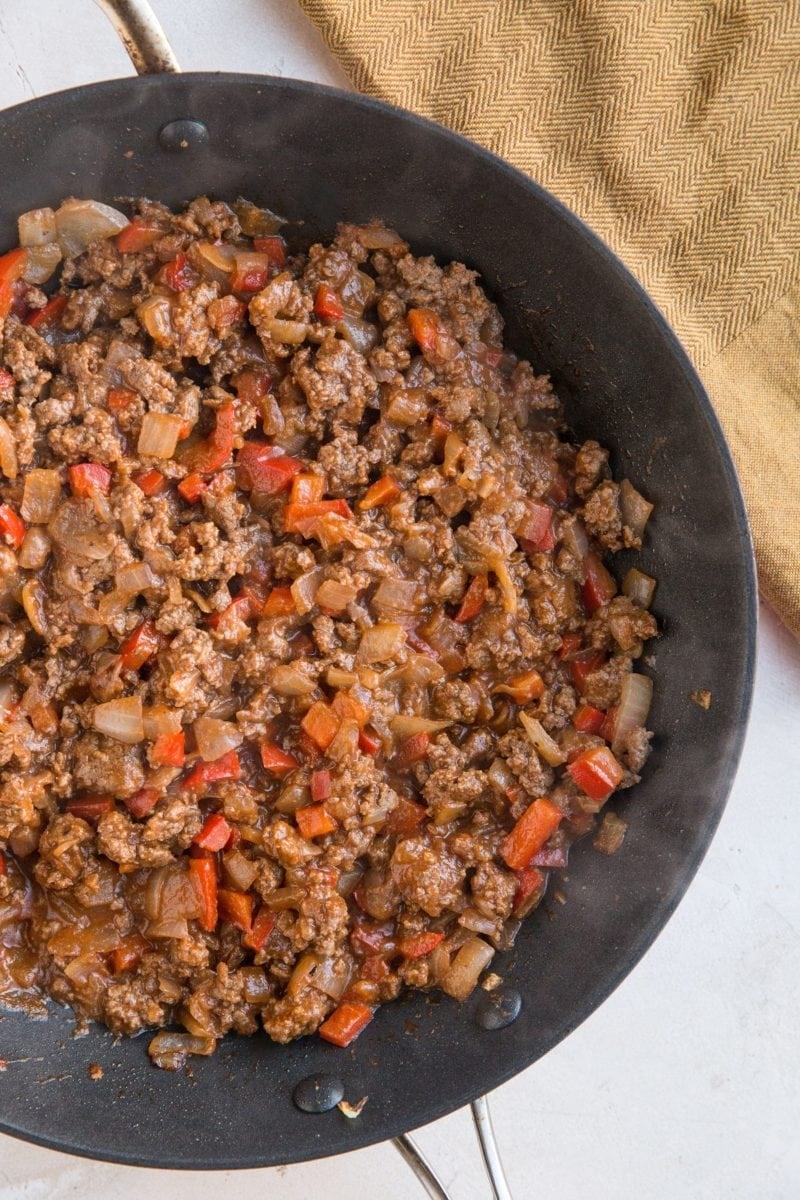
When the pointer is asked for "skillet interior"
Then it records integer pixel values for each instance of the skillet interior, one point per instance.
(324, 155)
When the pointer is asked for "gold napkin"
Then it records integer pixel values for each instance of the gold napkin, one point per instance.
(673, 128)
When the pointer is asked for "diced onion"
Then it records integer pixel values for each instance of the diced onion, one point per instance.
(240, 870)
(501, 776)
(81, 222)
(41, 263)
(8, 451)
(33, 598)
(541, 741)
(407, 406)
(345, 743)
(215, 738)
(335, 596)
(136, 577)
(377, 237)
(634, 705)
(257, 988)
(304, 590)
(575, 538)
(35, 549)
(397, 596)
(465, 969)
(477, 922)
(405, 726)
(508, 592)
(639, 587)
(419, 669)
(634, 508)
(290, 332)
(36, 227)
(159, 434)
(75, 530)
(381, 643)
(257, 222)
(155, 316)
(454, 448)
(158, 720)
(40, 496)
(169, 1050)
(170, 894)
(362, 335)
(349, 880)
(611, 834)
(289, 680)
(121, 719)
(170, 927)
(285, 897)
(336, 678)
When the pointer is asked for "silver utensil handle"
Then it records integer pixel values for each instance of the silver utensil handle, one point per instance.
(489, 1151)
(142, 36)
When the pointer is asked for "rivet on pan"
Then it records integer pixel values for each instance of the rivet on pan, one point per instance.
(498, 1008)
(184, 134)
(318, 1093)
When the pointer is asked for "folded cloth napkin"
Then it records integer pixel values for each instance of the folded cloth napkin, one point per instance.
(672, 127)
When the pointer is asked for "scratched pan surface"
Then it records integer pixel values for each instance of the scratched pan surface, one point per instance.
(326, 156)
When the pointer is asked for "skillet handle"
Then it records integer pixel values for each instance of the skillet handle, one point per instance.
(142, 36)
(489, 1151)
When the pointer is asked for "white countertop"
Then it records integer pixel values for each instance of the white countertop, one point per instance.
(684, 1085)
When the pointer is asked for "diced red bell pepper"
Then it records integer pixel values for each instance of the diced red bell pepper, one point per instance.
(237, 908)
(178, 274)
(143, 802)
(6, 380)
(215, 833)
(204, 874)
(529, 880)
(251, 386)
(425, 326)
(534, 827)
(90, 808)
(536, 524)
(137, 236)
(345, 1023)
(570, 644)
(192, 487)
(300, 518)
(596, 772)
(120, 398)
(273, 247)
(276, 760)
(42, 318)
(226, 767)
(321, 785)
(599, 586)
(589, 719)
(260, 469)
(139, 646)
(307, 488)
(243, 607)
(229, 311)
(86, 478)
(215, 450)
(420, 945)
(12, 268)
(249, 279)
(327, 305)
(128, 954)
(262, 927)
(384, 491)
(369, 742)
(581, 668)
(280, 603)
(413, 749)
(473, 601)
(169, 749)
(373, 937)
(151, 481)
(12, 527)
(406, 817)
(609, 727)
(321, 724)
(314, 821)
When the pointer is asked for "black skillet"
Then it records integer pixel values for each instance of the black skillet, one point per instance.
(324, 156)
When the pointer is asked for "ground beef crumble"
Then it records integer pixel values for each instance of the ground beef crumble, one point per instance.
(304, 626)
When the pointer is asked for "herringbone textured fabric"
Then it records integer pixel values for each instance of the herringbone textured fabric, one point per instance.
(673, 128)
